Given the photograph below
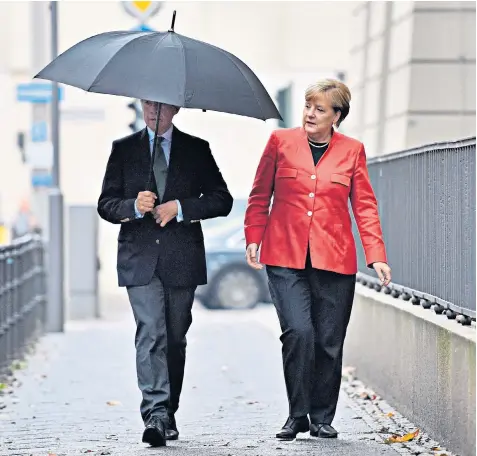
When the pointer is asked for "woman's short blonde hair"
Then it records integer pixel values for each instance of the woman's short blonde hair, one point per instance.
(338, 92)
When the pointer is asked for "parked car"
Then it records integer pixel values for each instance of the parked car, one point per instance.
(232, 284)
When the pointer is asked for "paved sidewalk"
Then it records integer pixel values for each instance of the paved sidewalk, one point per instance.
(233, 402)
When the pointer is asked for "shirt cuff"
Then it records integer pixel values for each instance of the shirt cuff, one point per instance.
(180, 216)
(136, 212)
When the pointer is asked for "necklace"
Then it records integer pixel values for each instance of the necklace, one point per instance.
(315, 145)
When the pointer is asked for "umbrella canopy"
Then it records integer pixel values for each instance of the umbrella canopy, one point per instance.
(165, 67)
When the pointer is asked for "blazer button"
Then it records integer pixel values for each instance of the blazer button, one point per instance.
(157, 241)
(310, 213)
(312, 195)
(313, 177)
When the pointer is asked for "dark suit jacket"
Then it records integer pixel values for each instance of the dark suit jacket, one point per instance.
(177, 250)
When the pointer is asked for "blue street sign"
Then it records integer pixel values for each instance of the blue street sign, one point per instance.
(142, 28)
(37, 92)
(41, 180)
(39, 132)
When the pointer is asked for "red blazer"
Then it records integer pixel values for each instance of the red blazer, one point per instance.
(310, 204)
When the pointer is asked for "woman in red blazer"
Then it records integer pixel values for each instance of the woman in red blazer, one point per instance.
(307, 245)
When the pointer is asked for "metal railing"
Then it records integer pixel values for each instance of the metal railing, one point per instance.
(22, 298)
(426, 198)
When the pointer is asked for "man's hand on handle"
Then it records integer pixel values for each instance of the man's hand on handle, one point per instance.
(251, 255)
(383, 271)
(164, 213)
(145, 202)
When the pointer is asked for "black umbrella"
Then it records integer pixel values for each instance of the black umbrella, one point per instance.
(165, 67)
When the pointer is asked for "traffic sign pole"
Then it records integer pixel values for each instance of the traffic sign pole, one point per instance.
(56, 291)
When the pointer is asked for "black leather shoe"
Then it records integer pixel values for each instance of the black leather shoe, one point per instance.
(171, 429)
(293, 426)
(154, 434)
(325, 431)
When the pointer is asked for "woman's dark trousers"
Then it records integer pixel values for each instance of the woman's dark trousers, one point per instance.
(314, 308)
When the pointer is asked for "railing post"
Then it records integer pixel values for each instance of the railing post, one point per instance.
(15, 320)
(3, 314)
(9, 305)
(40, 282)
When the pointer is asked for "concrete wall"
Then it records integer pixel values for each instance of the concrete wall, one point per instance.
(422, 363)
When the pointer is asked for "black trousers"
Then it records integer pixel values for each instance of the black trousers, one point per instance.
(163, 316)
(314, 308)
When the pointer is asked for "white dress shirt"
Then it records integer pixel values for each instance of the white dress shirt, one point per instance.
(166, 147)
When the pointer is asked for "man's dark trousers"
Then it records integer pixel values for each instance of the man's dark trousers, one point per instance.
(163, 316)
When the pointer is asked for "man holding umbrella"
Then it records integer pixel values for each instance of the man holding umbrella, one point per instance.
(161, 257)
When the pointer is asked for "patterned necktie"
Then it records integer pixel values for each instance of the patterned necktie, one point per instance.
(160, 168)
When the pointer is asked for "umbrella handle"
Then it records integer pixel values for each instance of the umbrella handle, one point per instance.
(153, 154)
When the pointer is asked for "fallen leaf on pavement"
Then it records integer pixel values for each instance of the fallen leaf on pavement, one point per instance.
(19, 365)
(113, 403)
(404, 438)
(368, 396)
(390, 414)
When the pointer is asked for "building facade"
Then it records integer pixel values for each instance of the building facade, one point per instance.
(412, 73)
